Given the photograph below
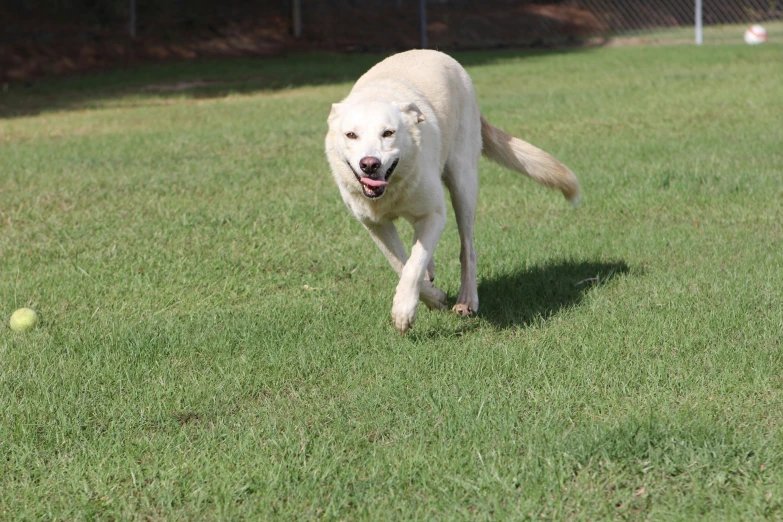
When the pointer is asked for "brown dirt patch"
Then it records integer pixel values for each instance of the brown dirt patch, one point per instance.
(77, 49)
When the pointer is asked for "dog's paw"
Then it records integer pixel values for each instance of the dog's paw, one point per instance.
(433, 297)
(404, 312)
(466, 309)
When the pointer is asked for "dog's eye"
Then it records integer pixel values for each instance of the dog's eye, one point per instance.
(351, 135)
(388, 134)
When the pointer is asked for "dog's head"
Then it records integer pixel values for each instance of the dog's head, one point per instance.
(372, 138)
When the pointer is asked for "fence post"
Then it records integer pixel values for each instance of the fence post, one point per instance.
(132, 21)
(423, 23)
(297, 16)
(699, 32)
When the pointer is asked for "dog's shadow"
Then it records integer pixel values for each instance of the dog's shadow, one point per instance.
(517, 299)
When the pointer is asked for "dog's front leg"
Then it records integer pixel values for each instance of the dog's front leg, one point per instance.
(409, 289)
(388, 240)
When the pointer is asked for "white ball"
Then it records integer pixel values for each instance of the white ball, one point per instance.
(755, 35)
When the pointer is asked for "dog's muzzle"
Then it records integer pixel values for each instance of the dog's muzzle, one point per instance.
(374, 186)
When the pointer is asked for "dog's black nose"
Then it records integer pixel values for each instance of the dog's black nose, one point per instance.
(369, 165)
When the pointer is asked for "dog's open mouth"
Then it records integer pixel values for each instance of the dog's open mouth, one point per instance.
(375, 188)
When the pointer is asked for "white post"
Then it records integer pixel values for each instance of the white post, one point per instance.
(699, 32)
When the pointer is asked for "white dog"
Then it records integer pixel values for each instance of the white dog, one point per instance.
(408, 126)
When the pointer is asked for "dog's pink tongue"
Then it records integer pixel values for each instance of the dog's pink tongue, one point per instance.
(374, 182)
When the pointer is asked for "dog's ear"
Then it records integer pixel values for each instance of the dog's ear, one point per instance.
(335, 112)
(412, 109)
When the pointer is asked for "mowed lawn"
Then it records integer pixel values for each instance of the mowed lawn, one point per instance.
(216, 339)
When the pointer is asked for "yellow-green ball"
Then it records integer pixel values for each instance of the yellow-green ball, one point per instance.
(23, 319)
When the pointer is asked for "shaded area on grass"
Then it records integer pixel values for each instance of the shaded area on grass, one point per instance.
(518, 298)
(211, 79)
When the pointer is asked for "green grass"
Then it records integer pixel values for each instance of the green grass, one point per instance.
(712, 34)
(216, 340)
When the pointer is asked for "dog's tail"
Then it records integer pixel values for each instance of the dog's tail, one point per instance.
(523, 157)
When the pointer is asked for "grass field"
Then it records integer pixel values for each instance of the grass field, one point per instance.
(712, 34)
(216, 340)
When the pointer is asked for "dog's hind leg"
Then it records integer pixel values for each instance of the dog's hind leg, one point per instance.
(461, 178)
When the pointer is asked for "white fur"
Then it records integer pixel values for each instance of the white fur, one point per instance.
(427, 100)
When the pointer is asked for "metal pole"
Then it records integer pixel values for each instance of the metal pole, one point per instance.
(423, 22)
(699, 32)
(297, 15)
(132, 22)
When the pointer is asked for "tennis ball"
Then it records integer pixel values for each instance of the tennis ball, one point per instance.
(23, 319)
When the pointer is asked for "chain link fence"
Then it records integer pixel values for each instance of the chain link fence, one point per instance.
(476, 23)
(675, 21)
(41, 37)
(51, 20)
